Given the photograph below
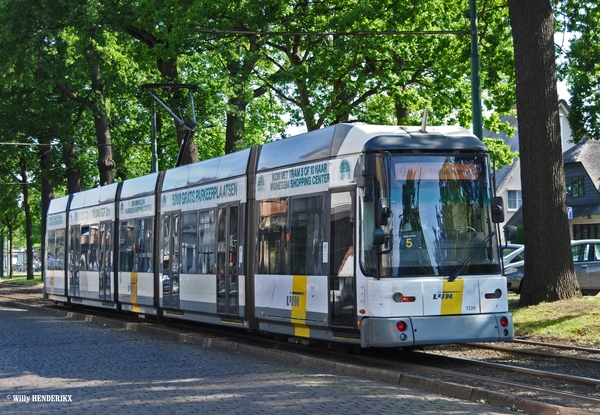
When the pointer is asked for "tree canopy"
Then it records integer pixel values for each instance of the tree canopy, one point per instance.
(579, 21)
(260, 67)
(73, 72)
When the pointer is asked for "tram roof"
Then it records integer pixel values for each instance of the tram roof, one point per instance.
(139, 186)
(227, 166)
(94, 197)
(346, 139)
(58, 205)
(435, 138)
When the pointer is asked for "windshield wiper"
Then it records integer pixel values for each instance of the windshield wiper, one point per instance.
(467, 259)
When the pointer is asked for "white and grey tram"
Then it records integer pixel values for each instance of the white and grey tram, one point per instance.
(380, 236)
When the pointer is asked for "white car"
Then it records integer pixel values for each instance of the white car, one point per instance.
(516, 255)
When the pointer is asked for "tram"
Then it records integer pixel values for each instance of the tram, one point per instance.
(378, 236)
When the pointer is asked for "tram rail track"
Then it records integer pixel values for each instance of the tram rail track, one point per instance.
(509, 385)
(535, 352)
(558, 346)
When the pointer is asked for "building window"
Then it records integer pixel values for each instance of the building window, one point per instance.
(575, 186)
(514, 199)
(588, 231)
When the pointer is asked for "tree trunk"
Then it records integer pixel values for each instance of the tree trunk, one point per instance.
(9, 228)
(47, 193)
(170, 74)
(235, 123)
(240, 70)
(234, 131)
(549, 267)
(402, 113)
(73, 172)
(28, 220)
(106, 164)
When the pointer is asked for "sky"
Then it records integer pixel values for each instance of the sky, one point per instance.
(562, 91)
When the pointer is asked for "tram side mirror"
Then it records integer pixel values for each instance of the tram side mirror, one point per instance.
(510, 233)
(383, 213)
(497, 209)
(379, 237)
(382, 238)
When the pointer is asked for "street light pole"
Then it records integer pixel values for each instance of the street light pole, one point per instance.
(154, 167)
(475, 74)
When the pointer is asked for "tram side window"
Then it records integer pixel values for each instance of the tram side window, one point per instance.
(144, 248)
(306, 236)
(84, 260)
(272, 232)
(51, 250)
(206, 244)
(75, 248)
(189, 242)
(126, 241)
(342, 229)
(92, 257)
(59, 250)
(368, 258)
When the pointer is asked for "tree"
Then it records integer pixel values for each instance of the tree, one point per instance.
(11, 215)
(579, 19)
(549, 266)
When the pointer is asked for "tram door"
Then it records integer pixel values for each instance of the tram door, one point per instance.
(342, 290)
(105, 267)
(227, 260)
(74, 258)
(171, 268)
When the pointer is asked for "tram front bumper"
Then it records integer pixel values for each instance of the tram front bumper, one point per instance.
(420, 331)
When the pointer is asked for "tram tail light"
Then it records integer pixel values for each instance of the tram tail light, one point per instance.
(495, 294)
(401, 325)
(400, 298)
(504, 321)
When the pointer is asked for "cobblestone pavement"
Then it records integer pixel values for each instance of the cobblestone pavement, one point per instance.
(55, 365)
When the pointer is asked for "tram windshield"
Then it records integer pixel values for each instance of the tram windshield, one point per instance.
(433, 213)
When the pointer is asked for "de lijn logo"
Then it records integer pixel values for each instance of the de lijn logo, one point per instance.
(445, 295)
(345, 170)
(293, 299)
(261, 183)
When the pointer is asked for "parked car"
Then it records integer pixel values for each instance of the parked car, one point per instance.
(515, 255)
(586, 260)
(510, 248)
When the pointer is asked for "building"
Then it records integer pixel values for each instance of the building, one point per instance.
(582, 176)
(581, 173)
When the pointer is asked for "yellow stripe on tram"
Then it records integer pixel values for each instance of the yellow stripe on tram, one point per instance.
(298, 297)
(452, 295)
(133, 297)
(52, 284)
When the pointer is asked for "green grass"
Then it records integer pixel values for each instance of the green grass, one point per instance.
(21, 279)
(575, 321)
